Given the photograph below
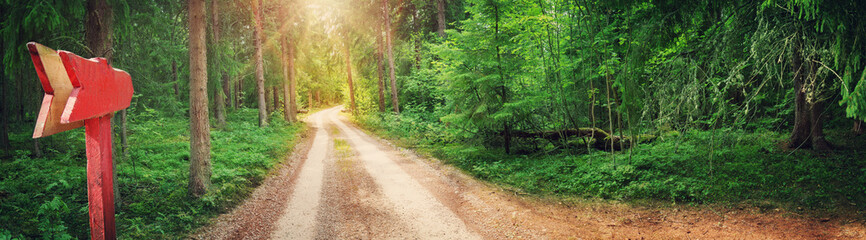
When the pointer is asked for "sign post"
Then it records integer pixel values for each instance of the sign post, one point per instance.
(84, 92)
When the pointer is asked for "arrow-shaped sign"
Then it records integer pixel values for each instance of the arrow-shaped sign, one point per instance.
(57, 88)
(84, 92)
(98, 90)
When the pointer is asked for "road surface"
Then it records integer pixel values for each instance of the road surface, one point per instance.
(341, 183)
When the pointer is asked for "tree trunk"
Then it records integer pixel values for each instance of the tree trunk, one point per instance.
(290, 107)
(227, 89)
(349, 74)
(857, 129)
(219, 108)
(97, 29)
(260, 68)
(808, 129)
(416, 24)
(239, 93)
(268, 98)
(440, 17)
(4, 124)
(380, 65)
(199, 156)
(802, 120)
(818, 141)
(310, 100)
(4, 118)
(21, 101)
(37, 151)
(97, 33)
(395, 102)
(174, 76)
(275, 91)
(124, 141)
(219, 98)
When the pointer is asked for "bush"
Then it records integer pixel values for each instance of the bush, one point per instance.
(721, 166)
(46, 197)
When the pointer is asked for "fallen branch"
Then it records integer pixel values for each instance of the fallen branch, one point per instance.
(602, 138)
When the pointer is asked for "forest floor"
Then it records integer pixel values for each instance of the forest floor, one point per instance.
(342, 183)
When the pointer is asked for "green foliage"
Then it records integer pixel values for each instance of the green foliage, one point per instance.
(50, 217)
(722, 166)
(46, 197)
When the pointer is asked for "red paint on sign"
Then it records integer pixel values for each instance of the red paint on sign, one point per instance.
(98, 90)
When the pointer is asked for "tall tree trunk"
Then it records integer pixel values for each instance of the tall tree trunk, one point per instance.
(818, 141)
(97, 34)
(4, 124)
(440, 17)
(240, 93)
(290, 107)
(310, 100)
(349, 73)
(199, 154)
(416, 24)
(219, 108)
(21, 101)
(124, 140)
(37, 151)
(268, 102)
(260, 66)
(284, 55)
(174, 76)
(227, 89)
(97, 29)
(276, 92)
(219, 98)
(857, 129)
(802, 120)
(380, 65)
(4, 118)
(395, 102)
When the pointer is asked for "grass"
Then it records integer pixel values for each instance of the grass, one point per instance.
(725, 166)
(46, 197)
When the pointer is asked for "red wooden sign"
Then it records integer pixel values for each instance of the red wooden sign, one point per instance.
(84, 92)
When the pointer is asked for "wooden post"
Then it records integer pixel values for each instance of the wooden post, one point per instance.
(84, 92)
(100, 190)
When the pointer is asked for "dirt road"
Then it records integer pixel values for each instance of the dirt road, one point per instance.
(344, 184)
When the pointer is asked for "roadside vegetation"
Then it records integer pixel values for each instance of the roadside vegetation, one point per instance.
(722, 102)
(43, 197)
(689, 167)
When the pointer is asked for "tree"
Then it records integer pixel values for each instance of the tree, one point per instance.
(260, 65)
(98, 36)
(220, 93)
(440, 18)
(380, 66)
(290, 107)
(348, 56)
(4, 129)
(395, 103)
(4, 125)
(824, 44)
(199, 156)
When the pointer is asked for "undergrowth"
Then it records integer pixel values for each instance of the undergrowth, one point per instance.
(46, 197)
(724, 166)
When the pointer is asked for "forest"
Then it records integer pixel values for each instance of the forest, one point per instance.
(743, 102)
